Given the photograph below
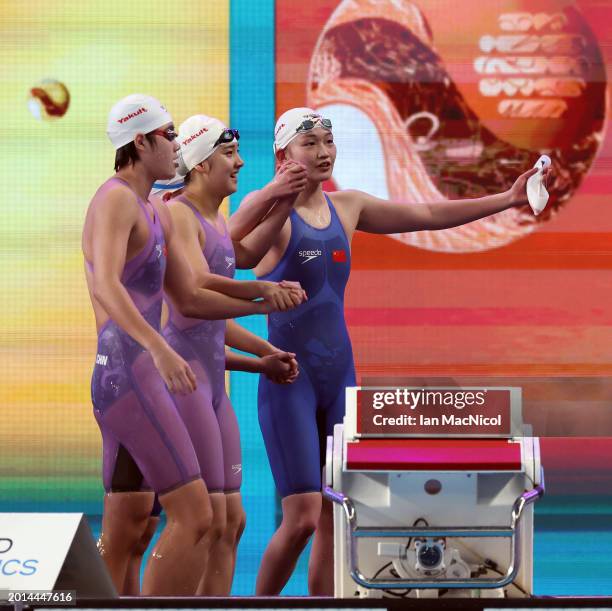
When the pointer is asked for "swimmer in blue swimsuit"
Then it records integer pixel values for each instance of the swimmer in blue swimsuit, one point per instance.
(313, 248)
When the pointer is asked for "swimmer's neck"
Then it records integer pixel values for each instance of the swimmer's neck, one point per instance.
(206, 203)
(138, 178)
(311, 196)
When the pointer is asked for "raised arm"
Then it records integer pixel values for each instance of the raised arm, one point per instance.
(253, 247)
(288, 181)
(380, 216)
(113, 221)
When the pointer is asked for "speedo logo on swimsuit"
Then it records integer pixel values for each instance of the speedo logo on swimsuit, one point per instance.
(309, 255)
(132, 115)
(236, 469)
(230, 261)
(101, 359)
(194, 136)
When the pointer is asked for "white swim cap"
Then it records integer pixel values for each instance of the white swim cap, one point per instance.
(135, 114)
(198, 137)
(289, 123)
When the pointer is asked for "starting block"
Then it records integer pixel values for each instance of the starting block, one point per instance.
(420, 513)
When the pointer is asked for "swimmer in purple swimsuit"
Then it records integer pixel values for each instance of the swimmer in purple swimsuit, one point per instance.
(128, 244)
(209, 151)
(313, 248)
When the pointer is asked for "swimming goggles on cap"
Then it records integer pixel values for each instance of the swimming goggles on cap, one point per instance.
(309, 124)
(227, 135)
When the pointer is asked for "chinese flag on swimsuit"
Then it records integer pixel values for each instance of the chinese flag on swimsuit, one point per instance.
(339, 256)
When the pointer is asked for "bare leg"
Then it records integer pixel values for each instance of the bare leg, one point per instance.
(220, 572)
(300, 518)
(211, 561)
(123, 524)
(131, 586)
(175, 566)
(321, 564)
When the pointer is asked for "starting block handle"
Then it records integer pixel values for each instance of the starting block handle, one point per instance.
(353, 532)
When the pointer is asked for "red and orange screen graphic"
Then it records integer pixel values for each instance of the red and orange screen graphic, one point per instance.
(433, 100)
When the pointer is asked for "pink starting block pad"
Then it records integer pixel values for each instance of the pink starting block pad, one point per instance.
(433, 455)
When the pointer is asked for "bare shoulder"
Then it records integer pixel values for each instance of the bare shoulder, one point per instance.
(180, 213)
(348, 204)
(111, 215)
(118, 203)
(184, 221)
(348, 197)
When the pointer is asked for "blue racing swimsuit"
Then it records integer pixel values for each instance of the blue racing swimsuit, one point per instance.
(295, 419)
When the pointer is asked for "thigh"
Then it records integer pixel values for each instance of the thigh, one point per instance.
(335, 411)
(230, 439)
(287, 417)
(198, 415)
(145, 423)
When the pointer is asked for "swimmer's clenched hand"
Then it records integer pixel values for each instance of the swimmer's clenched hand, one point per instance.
(282, 296)
(290, 180)
(296, 289)
(175, 371)
(280, 367)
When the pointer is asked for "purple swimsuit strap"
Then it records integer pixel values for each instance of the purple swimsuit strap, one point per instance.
(155, 234)
(200, 218)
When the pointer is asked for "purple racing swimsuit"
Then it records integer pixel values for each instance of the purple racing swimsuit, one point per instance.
(143, 436)
(208, 413)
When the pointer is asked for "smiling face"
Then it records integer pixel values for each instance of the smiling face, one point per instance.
(315, 149)
(224, 165)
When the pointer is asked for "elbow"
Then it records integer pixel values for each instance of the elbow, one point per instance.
(234, 230)
(236, 233)
(186, 308)
(184, 303)
(100, 291)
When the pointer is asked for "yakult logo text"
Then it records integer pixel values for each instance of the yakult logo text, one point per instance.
(132, 115)
(194, 136)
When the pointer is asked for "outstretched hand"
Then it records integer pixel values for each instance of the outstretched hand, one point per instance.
(517, 193)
